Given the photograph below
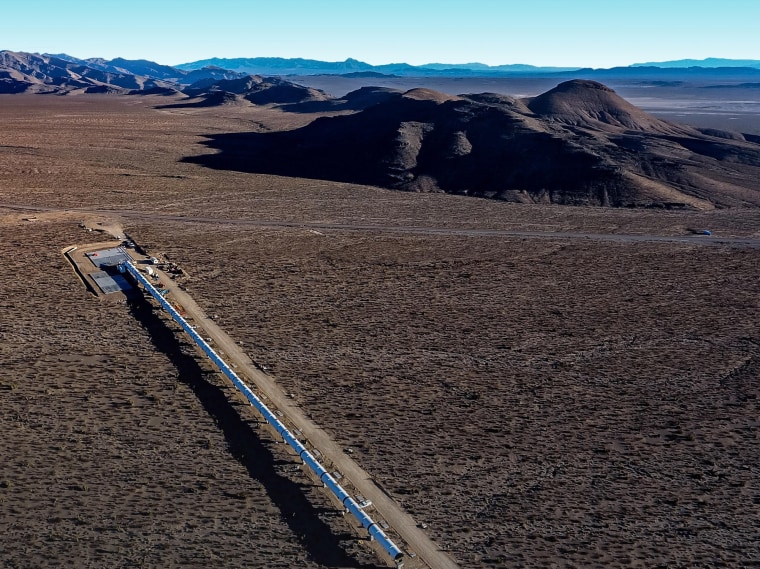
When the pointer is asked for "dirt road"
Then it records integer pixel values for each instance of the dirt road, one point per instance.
(417, 541)
(712, 240)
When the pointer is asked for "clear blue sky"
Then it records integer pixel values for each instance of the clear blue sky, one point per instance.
(588, 33)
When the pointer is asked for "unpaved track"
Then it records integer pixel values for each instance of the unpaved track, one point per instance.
(391, 511)
(753, 242)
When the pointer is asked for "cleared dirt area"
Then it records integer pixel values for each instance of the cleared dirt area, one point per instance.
(534, 402)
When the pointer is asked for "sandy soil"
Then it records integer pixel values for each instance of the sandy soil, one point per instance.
(535, 402)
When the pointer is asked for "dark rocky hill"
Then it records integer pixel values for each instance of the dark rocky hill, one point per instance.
(579, 143)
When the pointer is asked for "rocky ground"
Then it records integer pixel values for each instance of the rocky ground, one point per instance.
(533, 401)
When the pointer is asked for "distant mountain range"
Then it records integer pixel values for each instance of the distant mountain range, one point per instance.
(34, 73)
(710, 62)
(298, 66)
(282, 66)
(61, 73)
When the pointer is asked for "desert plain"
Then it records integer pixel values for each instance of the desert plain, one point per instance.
(537, 385)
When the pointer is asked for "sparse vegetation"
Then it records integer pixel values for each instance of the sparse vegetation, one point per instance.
(533, 401)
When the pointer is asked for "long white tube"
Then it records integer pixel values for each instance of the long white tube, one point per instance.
(348, 502)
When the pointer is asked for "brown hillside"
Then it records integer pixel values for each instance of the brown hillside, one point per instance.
(430, 95)
(590, 104)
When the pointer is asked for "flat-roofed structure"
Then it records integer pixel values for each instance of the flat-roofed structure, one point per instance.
(108, 257)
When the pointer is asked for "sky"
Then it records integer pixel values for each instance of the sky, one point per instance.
(566, 33)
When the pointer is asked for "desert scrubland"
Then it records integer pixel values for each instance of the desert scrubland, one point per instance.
(535, 401)
(120, 448)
